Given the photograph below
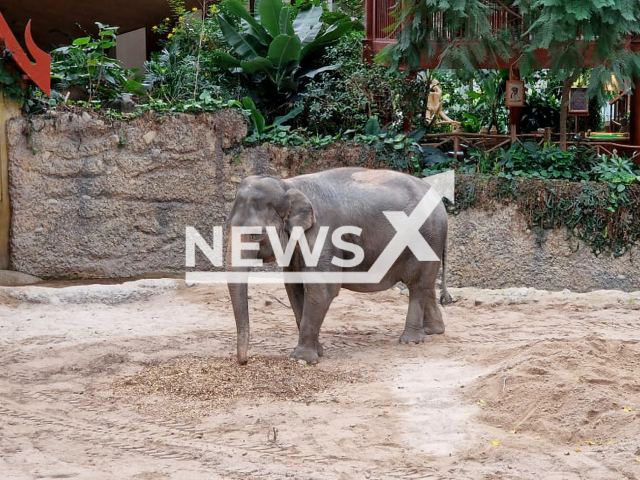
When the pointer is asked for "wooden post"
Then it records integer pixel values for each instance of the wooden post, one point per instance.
(8, 110)
(369, 21)
(513, 129)
(547, 135)
(634, 114)
(456, 143)
(515, 112)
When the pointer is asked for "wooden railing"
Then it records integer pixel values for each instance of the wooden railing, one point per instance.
(458, 143)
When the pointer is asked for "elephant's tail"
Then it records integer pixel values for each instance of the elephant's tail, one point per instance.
(445, 298)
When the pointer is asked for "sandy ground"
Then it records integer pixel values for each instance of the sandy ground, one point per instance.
(138, 381)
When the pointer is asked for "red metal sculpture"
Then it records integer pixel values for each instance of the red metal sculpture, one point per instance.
(38, 70)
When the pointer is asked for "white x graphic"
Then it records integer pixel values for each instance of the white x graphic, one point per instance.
(407, 235)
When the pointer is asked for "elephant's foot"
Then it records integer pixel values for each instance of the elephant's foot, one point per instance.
(412, 336)
(320, 350)
(437, 330)
(305, 354)
(433, 323)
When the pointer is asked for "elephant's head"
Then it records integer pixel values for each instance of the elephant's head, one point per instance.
(262, 202)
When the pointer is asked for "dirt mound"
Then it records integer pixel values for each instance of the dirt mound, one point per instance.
(580, 391)
(193, 386)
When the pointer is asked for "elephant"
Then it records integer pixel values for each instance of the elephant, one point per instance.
(346, 196)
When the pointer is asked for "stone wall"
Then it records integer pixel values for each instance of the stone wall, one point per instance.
(96, 199)
(496, 250)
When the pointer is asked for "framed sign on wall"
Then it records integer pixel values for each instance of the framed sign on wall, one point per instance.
(578, 101)
(515, 93)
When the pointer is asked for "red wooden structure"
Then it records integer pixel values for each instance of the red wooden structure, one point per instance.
(378, 20)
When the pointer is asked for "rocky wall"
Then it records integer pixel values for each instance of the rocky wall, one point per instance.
(496, 250)
(92, 198)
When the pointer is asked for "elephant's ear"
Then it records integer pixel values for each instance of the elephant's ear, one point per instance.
(300, 210)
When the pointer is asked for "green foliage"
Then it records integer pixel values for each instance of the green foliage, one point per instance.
(259, 124)
(85, 64)
(619, 176)
(531, 161)
(344, 99)
(542, 102)
(185, 68)
(619, 173)
(615, 169)
(353, 8)
(587, 210)
(397, 151)
(485, 107)
(204, 103)
(11, 82)
(426, 24)
(280, 44)
(576, 33)
(567, 29)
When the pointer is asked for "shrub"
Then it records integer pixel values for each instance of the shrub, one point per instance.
(185, 68)
(344, 99)
(86, 65)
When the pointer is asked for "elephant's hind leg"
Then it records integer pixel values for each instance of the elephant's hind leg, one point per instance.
(413, 328)
(433, 322)
(295, 292)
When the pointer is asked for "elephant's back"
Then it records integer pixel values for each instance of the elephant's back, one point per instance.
(360, 190)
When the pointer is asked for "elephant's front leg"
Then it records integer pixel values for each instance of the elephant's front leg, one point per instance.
(317, 300)
(295, 292)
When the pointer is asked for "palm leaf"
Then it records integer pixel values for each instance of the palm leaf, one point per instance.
(245, 46)
(257, 65)
(283, 50)
(307, 24)
(224, 60)
(269, 11)
(237, 8)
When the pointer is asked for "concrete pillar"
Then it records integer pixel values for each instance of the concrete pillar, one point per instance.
(8, 110)
(131, 49)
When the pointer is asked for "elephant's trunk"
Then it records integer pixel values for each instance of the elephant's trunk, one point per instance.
(238, 293)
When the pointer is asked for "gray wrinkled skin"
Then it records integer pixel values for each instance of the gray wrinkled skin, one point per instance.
(335, 198)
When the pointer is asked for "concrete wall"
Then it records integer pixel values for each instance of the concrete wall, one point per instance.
(93, 199)
(495, 250)
(96, 199)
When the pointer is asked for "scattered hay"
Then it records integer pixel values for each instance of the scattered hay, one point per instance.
(195, 386)
(570, 391)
